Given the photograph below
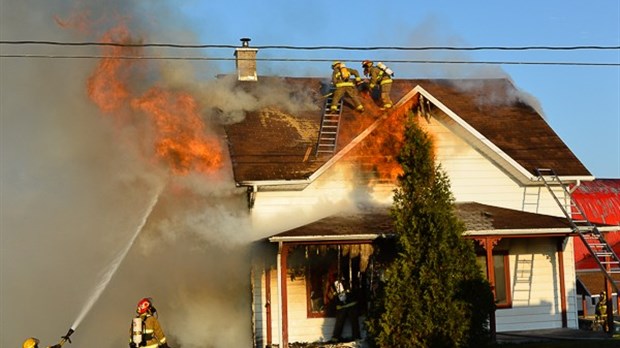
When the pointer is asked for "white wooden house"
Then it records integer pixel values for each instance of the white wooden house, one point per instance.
(313, 206)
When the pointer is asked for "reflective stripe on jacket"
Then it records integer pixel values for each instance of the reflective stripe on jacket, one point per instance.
(152, 333)
(339, 81)
(378, 75)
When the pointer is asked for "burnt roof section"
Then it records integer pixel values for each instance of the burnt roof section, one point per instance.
(279, 144)
(476, 216)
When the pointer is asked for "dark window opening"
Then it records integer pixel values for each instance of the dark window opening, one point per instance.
(502, 277)
(321, 265)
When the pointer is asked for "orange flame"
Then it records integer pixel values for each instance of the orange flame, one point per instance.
(378, 152)
(182, 139)
(107, 86)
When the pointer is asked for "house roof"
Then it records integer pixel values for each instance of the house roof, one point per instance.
(479, 219)
(278, 142)
(593, 282)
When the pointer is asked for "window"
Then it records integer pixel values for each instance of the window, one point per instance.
(321, 265)
(318, 281)
(502, 277)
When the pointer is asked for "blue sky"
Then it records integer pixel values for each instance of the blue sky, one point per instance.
(71, 190)
(581, 103)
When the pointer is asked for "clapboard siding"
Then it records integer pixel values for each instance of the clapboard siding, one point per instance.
(535, 284)
(473, 178)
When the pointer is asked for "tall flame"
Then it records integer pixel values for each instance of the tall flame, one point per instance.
(181, 137)
(378, 152)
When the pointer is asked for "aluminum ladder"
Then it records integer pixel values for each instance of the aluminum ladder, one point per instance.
(592, 238)
(330, 123)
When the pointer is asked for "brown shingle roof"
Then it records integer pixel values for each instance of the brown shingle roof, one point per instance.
(476, 216)
(279, 144)
(594, 281)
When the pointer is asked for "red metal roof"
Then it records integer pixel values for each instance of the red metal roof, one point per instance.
(600, 201)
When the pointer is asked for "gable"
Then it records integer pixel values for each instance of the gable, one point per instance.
(278, 146)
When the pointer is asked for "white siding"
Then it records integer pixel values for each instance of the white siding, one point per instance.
(331, 193)
(535, 284)
(475, 178)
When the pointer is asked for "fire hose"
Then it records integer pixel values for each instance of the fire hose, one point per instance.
(64, 338)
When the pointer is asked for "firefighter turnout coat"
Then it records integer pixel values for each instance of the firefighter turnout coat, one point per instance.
(378, 76)
(341, 79)
(152, 335)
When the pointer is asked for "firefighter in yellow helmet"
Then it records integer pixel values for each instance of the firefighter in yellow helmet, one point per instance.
(145, 330)
(341, 79)
(32, 342)
(379, 75)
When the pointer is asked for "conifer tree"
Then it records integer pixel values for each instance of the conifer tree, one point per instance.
(434, 293)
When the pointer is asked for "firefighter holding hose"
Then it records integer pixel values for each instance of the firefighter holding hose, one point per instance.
(33, 342)
(145, 328)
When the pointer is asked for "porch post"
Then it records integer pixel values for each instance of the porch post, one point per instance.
(610, 305)
(488, 243)
(560, 249)
(283, 303)
(269, 327)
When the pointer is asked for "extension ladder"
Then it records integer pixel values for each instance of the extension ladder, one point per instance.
(328, 134)
(592, 238)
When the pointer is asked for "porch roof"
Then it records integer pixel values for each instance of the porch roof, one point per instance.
(592, 281)
(480, 220)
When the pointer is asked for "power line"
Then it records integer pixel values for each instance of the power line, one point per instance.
(48, 56)
(285, 47)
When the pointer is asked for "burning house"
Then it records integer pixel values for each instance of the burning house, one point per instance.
(508, 171)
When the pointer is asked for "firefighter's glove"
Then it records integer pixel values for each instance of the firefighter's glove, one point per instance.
(371, 86)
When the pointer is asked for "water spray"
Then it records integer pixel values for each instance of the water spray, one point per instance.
(107, 276)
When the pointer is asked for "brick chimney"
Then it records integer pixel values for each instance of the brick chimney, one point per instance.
(246, 61)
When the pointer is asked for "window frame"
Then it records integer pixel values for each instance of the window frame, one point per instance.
(329, 307)
(507, 303)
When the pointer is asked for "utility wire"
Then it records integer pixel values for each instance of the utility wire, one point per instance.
(285, 47)
(48, 56)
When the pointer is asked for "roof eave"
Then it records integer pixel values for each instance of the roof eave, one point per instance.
(327, 238)
(552, 232)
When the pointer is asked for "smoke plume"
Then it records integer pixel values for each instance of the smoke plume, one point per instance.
(86, 145)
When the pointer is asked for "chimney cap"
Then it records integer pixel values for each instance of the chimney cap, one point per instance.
(245, 41)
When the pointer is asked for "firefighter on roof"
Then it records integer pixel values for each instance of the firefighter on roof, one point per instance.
(379, 75)
(145, 329)
(341, 79)
(34, 343)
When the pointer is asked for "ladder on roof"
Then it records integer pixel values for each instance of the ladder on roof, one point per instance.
(330, 123)
(592, 238)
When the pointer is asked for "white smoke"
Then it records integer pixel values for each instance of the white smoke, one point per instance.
(73, 189)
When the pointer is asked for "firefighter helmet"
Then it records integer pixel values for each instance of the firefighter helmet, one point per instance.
(30, 343)
(144, 305)
(367, 64)
(335, 64)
